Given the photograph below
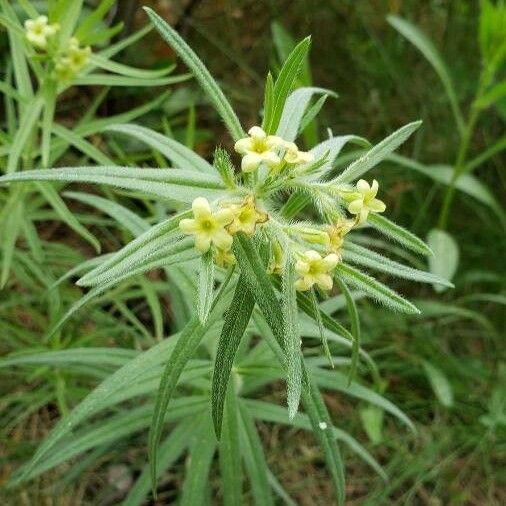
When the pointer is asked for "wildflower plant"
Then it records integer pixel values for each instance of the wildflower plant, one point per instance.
(264, 233)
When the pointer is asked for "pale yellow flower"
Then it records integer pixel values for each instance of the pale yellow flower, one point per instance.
(336, 234)
(246, 217)
(38, 31)
(314, 270)
(294, 156)
(365, 201)
(208, 227)
(224, 258)
(258, 148)
(72, 60)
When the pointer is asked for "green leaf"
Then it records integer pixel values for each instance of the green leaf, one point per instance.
(268, 412)
(377, 154)
(96, 79)
(372, 421)
(439, 383)
(66, 215)
(184, 349)
(201, 456)
(27, 124)
(285, 82)
(200, 72)
(173, 150)
(398, 234)
(429, 51)
(355, 326)
(170, 451)
(236, 321)
(375, 289)
(230, 453)
(362, 256)
(292, 337)
(254, 458)
(178, 185)
(445, 261)
(206, 286)
(294, 109)
(121, 214)
(126, 70)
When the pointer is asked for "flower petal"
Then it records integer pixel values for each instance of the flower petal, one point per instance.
(224, 217)
(356, 206)
(257, 132)
(301, 267)
(250, 162)
(188, 226)
(363, 186)
(330, 261)
(304, 284)
(243, 145)
(312, 255)
(377, 206)
(201, 207)
(222, 239)
(324, 281)
(203, 242)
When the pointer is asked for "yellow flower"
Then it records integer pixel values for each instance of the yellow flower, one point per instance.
(294, 156)
(336, 234)
(313, 269)
(224, 258)
(246, 217)
(258, 148)
(277, 261)
(72, 60)
(38, 30)
(364, 201)
(208, 227)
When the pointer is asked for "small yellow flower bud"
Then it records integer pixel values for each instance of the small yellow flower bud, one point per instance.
(336, 234)
(224, 258)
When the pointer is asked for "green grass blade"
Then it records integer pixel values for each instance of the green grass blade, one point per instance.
(179, 154)
(200, 72)
(431, 54)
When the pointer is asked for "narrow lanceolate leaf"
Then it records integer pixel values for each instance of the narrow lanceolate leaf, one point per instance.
(236, 321)
(292, 338)
(185, 347)
(254, 458)
(230, 453)
(375, 289)
(439, 383)
(294, 109)
(359, 255)
(376, 154)
(200, 72)
(399, 234)
(129, 254)
(174, 184)
(178, 153)
(201, 455)
(206, 285)
(285, 82)
(427, 48)
(321, 327)
(355, 326)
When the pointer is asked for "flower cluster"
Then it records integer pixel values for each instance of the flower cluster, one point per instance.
(68, 62)
(216, 228)
(315, 263)
(271, 150)
(39, 31)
